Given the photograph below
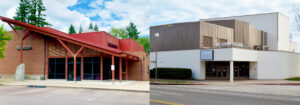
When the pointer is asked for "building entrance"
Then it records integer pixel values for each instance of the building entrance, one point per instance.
(221, 70)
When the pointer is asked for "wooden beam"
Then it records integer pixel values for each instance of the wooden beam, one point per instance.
(101, 67)
(113, 68)
(21, 50)
(79, 51)
(81, 66)
(14, 29)
(65, 46)
(27, 34)
(66, 65)
(120, 68)
(74, 69)
(126, 67)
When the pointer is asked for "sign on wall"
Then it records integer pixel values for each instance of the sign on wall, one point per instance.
(207, 54)
(112, 67)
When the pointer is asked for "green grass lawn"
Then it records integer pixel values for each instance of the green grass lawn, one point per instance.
(294, 79)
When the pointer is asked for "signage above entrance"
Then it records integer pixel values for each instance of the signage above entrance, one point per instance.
(207, 54)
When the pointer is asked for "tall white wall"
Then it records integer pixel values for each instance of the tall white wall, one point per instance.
(283, 32)
(277, 65)
(182, 58)
(275, 24)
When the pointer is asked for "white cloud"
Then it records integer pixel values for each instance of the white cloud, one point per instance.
(57, 13)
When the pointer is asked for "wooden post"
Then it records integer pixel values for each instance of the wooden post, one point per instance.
(126, 68)
(120, 68)
(81, 66)
(101, 67)
(113, 68)
(66, 65)
(21, 49)
(74, 69)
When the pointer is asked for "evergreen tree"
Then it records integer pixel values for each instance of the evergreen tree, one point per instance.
(132, 31)
(91, 26)
(72, 30)
(80, 29)
(41, 21)
(22, 12)
(96, 28)
(3, 39)
(30, 11)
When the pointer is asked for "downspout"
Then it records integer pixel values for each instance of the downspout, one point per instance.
(44, 58)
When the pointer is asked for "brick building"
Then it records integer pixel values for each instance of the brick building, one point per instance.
(52, 54)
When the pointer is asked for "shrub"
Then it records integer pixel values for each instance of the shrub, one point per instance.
(172, 73)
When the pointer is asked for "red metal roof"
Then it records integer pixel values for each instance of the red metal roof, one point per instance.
(96, 40)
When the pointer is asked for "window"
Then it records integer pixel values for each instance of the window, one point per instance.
(56, 68)
(207, 41)
(223, 40)
(91, 68)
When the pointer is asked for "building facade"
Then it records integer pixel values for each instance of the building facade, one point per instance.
(239, 47)
(51, 54)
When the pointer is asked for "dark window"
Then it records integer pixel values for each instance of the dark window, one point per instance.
(56, 68)
(91, 68)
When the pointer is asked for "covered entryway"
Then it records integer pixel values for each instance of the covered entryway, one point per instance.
(220, 70)
(90, 56)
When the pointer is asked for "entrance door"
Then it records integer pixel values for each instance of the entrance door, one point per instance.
(71, 69)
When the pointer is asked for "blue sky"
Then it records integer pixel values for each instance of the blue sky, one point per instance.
(146, 13)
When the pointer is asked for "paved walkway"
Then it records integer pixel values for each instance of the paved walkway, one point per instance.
(236, 82)
(140, 86)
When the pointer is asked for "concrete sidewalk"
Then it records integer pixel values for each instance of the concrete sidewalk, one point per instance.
(226, 82)
(139, 86)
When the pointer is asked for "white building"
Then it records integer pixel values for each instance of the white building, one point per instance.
(238, 47)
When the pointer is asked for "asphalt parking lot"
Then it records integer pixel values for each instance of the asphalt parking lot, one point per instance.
(21, 95)
(198, 95)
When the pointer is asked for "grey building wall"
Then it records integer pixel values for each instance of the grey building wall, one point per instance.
(178, 36)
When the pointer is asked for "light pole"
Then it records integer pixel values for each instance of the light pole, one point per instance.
(156, 38)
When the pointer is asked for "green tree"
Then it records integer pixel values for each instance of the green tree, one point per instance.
(96, 28)
(80, 29)
(91, 26)
(22, 12)
(72, 30)
(118, 32)
(31, 11)
(132, 31)
(4, 37)
(144, 41)
(41, 21)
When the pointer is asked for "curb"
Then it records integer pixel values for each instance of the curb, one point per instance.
(177, 84)
(277, 84)
(82, 88)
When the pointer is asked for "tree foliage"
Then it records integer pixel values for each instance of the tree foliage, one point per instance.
(144, 41)
(96, 28)
(118, 32)
(72, 30)
(91, 26)
(132, 31)
(4, 37)
(80, 29)
(31, 11)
